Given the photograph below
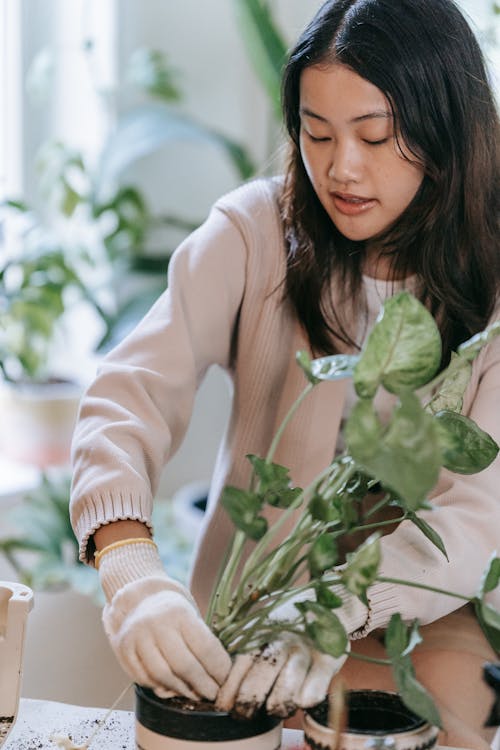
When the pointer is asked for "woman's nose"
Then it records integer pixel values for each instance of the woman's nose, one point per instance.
(345, 164)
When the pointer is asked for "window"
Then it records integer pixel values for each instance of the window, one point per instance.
(10, 98)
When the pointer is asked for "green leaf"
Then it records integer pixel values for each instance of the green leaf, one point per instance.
(491, 577)
(450, 395)
(362, 567)
(403, 349)
(149, 69)
(322, 555)
(325, 630)
(274, 483)
(70, 199)
(347, 511)
(465, 447)
(428, 531)
(243, 508)
(326, 597)
(489, 619)
(334, 367)
(18, 205)
(323, 510)
(490, 616)
(266, 47)
(414, 638)
(396, 637)
(405, 456)
(413, 694)
(363, 432)
(401, 639)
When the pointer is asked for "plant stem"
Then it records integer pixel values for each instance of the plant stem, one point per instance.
(371, 659)
(229, 628)
(265, 568)
(401, 582)
(285, 421)
(254, 557)
(378, 506)
(219, 600)
(366, 527)
(222, 591)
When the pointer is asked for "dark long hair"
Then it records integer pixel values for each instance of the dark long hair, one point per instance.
(424, 57)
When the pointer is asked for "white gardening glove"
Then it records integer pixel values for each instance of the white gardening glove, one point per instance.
(155, 628)
(287, 674)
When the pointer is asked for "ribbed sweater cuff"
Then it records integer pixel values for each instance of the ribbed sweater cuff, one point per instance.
(384, 601)
(100, 509)
(354, 614)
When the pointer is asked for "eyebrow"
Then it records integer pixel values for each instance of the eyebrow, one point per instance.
(376, 114)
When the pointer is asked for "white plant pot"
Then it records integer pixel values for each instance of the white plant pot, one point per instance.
(37, 421)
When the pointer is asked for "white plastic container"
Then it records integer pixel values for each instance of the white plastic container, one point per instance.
(16, 601)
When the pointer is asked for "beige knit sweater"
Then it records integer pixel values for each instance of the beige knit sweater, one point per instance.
(224, 306)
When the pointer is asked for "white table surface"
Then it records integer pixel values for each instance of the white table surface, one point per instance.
(38, 720)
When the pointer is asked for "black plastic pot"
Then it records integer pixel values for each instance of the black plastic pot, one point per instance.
(175, 723)
(372, 715)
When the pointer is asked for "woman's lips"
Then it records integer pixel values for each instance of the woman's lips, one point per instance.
(351, 205)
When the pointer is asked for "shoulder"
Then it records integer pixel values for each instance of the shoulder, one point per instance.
(254, 205)
(241, 237)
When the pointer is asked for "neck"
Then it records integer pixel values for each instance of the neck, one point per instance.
(379, 265)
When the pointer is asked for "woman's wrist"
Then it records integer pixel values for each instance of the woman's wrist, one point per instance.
(118, 531)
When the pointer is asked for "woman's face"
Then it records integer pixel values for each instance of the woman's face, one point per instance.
(350, 152)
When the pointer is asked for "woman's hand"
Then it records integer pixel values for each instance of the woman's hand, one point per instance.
(154, 626)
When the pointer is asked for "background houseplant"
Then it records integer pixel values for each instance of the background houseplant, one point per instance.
(92, 236)
(40, 285)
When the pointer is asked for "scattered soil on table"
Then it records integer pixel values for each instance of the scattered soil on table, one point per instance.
(112, 734)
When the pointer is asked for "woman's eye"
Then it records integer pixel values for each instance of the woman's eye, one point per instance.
(376, 143)
(318, 139)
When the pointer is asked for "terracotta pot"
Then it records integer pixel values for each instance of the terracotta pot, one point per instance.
(174, 724)
(375, 719)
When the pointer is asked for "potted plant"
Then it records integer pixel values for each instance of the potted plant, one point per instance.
(403, 457)
(96, 199)
(40, 284)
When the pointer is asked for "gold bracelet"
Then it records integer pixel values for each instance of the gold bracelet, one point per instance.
(120, 543)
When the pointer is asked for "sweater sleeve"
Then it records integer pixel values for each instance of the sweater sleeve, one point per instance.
(135, 414)
(466, 515)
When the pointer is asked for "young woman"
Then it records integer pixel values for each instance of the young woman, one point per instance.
(392, 182)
